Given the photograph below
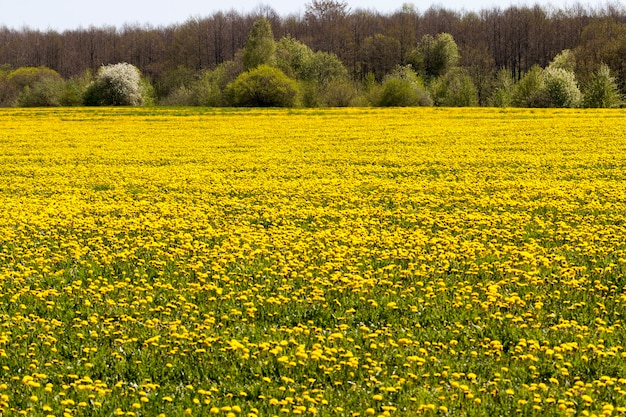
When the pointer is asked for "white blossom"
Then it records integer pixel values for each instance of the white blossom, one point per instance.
(122, 84)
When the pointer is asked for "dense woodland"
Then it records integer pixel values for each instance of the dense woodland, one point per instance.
(492, 45)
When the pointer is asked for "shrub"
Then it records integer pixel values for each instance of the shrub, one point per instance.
(527, 92)
(33, 87)
(115, 85)
(455, 89)
(322, 77)
(181, 96)
(46, 92)
(27, 76)
(339, 93)
(559, 88)
(602, 90)
(309, 94)
(552, 87)
(207, 88)
(147, 92)
(172, 80)
(298, 61)
(503, 89)
(403, 88)
(263, 86)
(75, 89)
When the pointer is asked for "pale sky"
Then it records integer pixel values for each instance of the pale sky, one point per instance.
(72, 14)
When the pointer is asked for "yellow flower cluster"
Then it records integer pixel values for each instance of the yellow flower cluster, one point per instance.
(348, 262)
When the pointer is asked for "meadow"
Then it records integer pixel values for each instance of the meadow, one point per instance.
(341, 262)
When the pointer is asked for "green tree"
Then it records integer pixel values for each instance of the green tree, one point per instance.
(263, 86)
(75, 89)
(434, 56)
(553, 87)
(208, 88)
(46, 92)
(602, 42)
(527, 92)
(559, 88)
(454, 89)
(403, 88)
(173, 80)
(503, 89)
(566, 60)
(323, 72)
(27, 76)
(602, 90)
(298, 61)
(34, 87)
(324, 67)
(322, 76)
(260, 47)
(293, 57)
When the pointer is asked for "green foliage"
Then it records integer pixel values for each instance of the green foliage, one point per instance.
(324, 67)
(116, 85)
(527, 92)
(602, 42)
(263, 86)
(323, 77)
(46, 92)
(260, 47)
(340, 93)
(207, 88)
(31, 87)
(552, 87)
(75, 89)
(147, 92)
(559, 88)
(293, 57)
(434, 56)
(602, 90)
(455, 89)
(503, 90)
(28, 76)
(298, 61)
(336, 93)
(565, 61)
(174, 79)
(403, 88)
(207, 91)
(181, 96)
(309, 94)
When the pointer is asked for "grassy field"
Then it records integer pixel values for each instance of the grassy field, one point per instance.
(462, 262)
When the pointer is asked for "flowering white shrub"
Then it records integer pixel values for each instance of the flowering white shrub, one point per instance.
(116, 85)
(560, 88)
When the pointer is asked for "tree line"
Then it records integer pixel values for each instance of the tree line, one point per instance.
(519, 55)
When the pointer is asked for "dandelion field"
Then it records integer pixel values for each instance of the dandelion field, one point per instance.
(350, 262)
